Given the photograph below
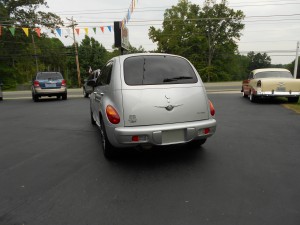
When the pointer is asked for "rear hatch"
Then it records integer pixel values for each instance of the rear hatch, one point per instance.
(162, 90)
(50, 80)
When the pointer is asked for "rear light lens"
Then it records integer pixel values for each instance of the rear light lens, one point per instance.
(212, 109)
(206, 131)
(63, 83)
(258, 83)
(112, 115)
(36, 83)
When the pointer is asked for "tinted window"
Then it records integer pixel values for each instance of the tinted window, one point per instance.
(49, 76)
(270, 74)
(152, 70)
(104, 78)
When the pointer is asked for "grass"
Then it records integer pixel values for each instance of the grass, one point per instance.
(293, 106)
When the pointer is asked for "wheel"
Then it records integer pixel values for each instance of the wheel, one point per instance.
(64, 96)
(252, 97)
(93, 122)
(197, 143)
(86, 95)
(1, 98)
(293, 99)
(108, 149)
(35, 98)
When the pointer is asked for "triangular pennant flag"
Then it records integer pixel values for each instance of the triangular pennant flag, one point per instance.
(58, 30)
(26, 31)
(109, 28)
(102, 28)
(94, 29)
(12, 30)
(38, 31)
(77, 31)
(86, 31)
(128, 15)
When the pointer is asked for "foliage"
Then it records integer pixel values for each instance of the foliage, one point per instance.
(24, 13)
(291, 67)
(205, 36)
(258, 60)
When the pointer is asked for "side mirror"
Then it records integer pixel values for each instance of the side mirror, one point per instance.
(91, 83)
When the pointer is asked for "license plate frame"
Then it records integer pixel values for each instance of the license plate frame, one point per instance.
(173, 136)
(50, 85)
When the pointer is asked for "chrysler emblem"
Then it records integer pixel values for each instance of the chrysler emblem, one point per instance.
(168, 107)
(280, 84)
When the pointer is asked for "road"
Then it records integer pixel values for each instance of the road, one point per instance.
(52, 170)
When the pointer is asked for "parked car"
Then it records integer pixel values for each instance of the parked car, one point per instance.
(271, 82)
(1, 94)
(87, 89)
(49, 84)
(150, 99)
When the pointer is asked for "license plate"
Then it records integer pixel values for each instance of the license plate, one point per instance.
(173, 136)
(50, 85)
(281, 89)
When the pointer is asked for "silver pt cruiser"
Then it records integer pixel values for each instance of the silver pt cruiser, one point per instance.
(150, 99)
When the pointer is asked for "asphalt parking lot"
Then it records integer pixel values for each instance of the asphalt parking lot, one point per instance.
(52, 170)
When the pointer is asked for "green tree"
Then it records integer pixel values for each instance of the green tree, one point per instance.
(291, 68)
(258, 60)
(207, 36)
(17, 51)
(91, 54)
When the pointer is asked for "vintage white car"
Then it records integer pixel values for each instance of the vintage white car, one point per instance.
(271, 82)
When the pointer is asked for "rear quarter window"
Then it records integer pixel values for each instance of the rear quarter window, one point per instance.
(156, 70)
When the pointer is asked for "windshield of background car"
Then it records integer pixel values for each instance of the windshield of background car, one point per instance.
(274, 74)
(49, 76)
(153, 70)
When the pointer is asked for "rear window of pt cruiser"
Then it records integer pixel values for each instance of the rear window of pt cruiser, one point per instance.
(156, 70)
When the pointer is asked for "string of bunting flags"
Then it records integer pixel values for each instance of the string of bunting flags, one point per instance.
(129, 13)
(59, 31)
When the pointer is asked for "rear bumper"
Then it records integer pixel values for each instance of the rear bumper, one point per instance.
(277, 94)
(48, 92)
(162, 134)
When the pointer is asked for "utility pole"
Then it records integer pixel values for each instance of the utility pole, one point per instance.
(36, 62)
(296, 61)
(76, 50)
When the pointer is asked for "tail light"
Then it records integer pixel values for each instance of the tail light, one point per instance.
(112, 115)
(258, 83)
(63, 83)
(212, 109)
(36, 83)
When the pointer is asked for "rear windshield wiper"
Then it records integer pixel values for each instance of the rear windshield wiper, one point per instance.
(176, 78)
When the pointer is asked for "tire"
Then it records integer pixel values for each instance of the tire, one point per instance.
(244, 95)
(293, 99)
(108, 149)
(35, 98)
(64, 97)
(93, 122)
(252, 97)
(86, 95)
(58, 97)
(1, 99)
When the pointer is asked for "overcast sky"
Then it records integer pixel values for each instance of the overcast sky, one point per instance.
(271, 26)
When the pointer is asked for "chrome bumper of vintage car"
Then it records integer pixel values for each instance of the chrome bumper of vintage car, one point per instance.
(278, 93)
(162, 134)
